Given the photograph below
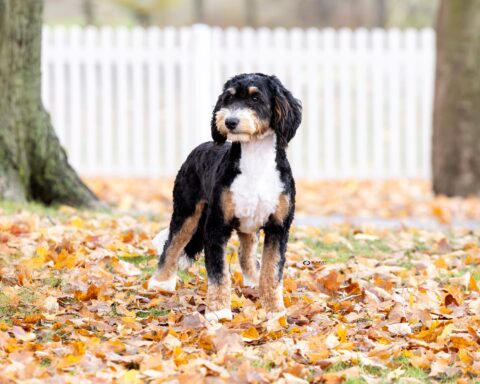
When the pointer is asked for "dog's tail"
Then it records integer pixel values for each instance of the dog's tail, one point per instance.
(159, 241)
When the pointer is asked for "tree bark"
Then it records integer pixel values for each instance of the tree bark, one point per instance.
(88, 9)
(33, 165)
(456, 120)
(380, 13)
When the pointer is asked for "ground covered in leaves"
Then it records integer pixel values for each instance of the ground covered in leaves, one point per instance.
(363, 306)
(389, 199)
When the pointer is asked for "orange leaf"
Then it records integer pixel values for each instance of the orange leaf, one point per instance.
(92, 293)
(250, 334)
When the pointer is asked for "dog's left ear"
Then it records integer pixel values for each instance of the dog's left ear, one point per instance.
(287, 112)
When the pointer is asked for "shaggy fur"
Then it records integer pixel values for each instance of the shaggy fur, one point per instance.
(244, 184)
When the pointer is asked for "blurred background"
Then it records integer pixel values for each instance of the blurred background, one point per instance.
(240, 13)
(130, 86)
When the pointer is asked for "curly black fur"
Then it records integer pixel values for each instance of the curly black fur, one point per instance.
(211, 168)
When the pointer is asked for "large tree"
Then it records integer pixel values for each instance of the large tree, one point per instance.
(456, 120)
(33, 165)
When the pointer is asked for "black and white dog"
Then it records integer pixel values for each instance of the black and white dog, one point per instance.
(245, 185)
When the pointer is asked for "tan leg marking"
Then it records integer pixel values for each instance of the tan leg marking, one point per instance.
(247, 255)
(228, 205)
(218, 298)
(218, 295)
(271, 294)
(282, 209)
(178, 243)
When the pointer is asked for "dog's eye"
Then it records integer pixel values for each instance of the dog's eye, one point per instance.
(255, 99)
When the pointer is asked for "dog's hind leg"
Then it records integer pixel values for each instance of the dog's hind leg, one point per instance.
(182, 228)
(247, 255)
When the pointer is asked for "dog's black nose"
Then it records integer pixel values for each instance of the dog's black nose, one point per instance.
(231, 122)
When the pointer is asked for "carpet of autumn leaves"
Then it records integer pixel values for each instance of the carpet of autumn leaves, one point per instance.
(363, 304)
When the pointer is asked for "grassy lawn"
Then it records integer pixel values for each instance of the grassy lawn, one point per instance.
(363, 306)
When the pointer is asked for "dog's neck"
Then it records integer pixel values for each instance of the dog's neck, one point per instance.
(258, 154)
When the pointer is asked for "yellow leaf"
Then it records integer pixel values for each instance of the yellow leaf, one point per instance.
(131, 377)
(42, 252)
(441, 263)
(68, 361)
(472, 284)
(314, 357)
(446, 333)
(342, 333)
(237, 302)
(77, 222)
(65, 260)
(465, 357)
(36, 262)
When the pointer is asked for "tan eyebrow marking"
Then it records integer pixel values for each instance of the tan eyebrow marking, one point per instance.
(232, 90)
(252, 90)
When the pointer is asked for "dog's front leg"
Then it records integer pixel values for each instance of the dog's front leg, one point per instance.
(247, 254)
(217, 234)
(273, 260)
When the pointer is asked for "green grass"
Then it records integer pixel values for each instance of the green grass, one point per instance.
(345, 251)
(25, 307)
(337, 367)
(142, 314)
(410, 370)
(45, 362)
(137, 260)
(11, 207)
(52, 281)
(267, 365)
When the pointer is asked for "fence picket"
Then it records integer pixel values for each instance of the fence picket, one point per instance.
(91, 102)
(136, 101)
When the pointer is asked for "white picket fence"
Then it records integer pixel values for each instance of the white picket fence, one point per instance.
(134, 102)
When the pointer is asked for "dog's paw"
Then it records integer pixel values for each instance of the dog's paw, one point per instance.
(277, 314)
(166, 285)
(221, 314)
(249, 283)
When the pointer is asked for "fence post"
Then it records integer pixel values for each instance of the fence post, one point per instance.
(202, 90)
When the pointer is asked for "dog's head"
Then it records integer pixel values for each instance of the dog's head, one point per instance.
(253, 106)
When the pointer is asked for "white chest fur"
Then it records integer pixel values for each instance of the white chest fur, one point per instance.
(257, 189)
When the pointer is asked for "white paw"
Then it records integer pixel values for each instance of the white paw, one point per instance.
(166, 285)
(222, 314)
(276, 314)
(248, 283)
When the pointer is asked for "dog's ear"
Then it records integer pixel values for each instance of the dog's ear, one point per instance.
(287, 112)
(217, 137)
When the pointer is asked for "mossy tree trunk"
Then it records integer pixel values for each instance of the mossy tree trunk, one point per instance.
(456, 120)
(33, 165)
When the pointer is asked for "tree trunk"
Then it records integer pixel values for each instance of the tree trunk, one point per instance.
(380, 13)
(251, 13)
(199, 11)
(88, 12)
(456, 120)
(33, 165)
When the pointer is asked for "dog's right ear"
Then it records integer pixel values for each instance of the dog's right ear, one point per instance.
(217, 137)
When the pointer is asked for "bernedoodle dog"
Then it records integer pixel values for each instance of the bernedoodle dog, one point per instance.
(246, 185)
